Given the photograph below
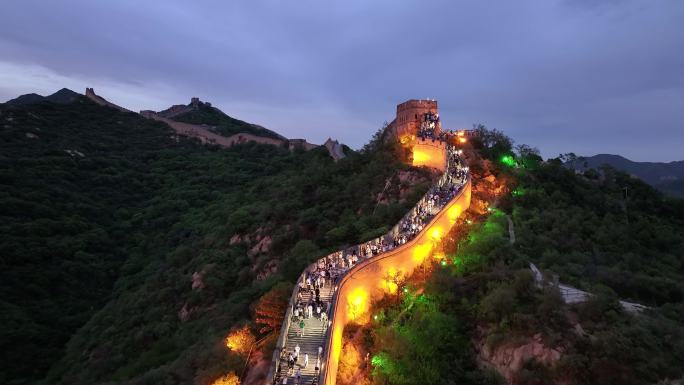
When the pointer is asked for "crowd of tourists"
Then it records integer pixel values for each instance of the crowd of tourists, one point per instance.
(327, 271)
(413, 223)
(296, 361)
(309, 304)
(428, 128)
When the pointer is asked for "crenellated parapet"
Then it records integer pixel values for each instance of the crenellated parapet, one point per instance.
(411, 115)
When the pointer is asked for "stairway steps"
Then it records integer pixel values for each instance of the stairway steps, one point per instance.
(314, 336)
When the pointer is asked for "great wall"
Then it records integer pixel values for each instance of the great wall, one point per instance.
(206, 136)
(355, 288)
(351, 294)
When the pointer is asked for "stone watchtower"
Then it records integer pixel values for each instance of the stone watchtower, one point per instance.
(411, 114)
(418, 127)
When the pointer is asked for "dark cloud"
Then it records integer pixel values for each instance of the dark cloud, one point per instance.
(564, 75)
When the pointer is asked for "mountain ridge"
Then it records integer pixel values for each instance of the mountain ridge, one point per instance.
(198, 119)
(109, 217)
(203, 113)
(665, 176)
(63, 96)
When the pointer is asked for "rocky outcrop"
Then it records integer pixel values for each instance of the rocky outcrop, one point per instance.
(235, 239)
(270, 268)
(408, 180)
(262, 246)
(184, 313)
(197, 280)
(508, 359)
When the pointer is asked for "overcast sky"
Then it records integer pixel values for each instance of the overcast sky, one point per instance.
(588, 76)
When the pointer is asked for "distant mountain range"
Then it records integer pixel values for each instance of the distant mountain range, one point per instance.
(198, 119)
(197, 112)
(667, 177)
(63, 96)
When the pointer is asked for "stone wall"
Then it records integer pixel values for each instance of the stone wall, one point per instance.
(410, 114)
(367, 281)
(430, 153)
(206, 136)
(90, 94)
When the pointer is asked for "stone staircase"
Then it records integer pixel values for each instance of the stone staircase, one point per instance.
(314, 336)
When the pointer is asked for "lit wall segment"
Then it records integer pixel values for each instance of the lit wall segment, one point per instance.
(429, 153)
(368, 280)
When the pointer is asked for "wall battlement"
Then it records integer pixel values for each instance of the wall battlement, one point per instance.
(410, 115)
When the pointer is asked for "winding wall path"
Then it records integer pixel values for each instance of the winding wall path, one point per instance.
(367, 280)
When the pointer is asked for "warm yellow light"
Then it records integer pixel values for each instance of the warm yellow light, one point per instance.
(420, 252)
(429, 154)
(439, 256)
(358, 302)
(240, 340)
(460, 133)
(462, 139)
(454, 212)
(389, 282)
(391, 287)
(436, 233)
(420, 157)
(229, 379)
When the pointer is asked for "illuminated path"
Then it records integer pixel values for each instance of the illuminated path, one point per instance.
(314, 336)
(368, 280)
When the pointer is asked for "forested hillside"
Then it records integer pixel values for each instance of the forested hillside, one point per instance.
(610, 229)
(129, 253)
(476, 316)
(666, 177)
(221, 123)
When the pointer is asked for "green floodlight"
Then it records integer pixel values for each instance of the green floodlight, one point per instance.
(508, 160)
(518, 192)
